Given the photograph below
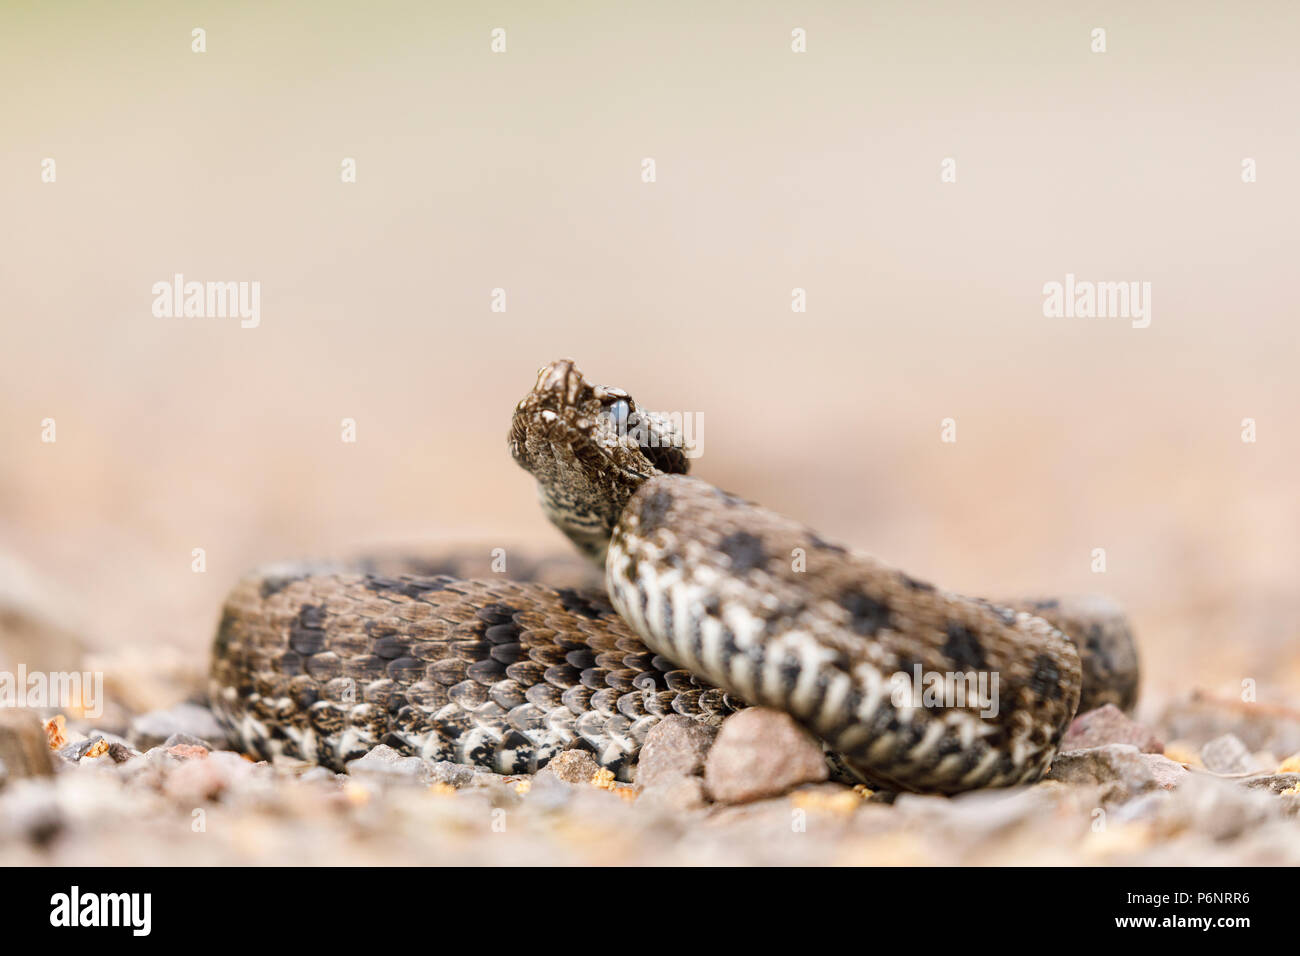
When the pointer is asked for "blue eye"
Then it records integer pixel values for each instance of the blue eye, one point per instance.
(619, 412)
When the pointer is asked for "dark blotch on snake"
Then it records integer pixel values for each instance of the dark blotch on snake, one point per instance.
(575, 603)
(728, 499)
(654, 511)
(867, 615)
(306, 633)
(411, 587)
(745, 551)
(1046, 679)
(963, 647)
(819, 544)
(276, 584)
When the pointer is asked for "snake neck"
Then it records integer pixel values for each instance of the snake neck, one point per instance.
(574, 438)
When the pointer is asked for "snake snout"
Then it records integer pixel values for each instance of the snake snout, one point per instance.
(560, 383)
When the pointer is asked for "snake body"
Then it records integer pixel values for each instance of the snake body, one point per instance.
(711, 603)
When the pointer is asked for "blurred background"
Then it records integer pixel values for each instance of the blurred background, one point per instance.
(775, 170)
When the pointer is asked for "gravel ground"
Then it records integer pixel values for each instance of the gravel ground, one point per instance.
(1213, 782)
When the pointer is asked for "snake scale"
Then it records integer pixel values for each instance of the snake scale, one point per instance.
(710, 603)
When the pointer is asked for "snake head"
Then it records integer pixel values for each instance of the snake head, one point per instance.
(589, 447)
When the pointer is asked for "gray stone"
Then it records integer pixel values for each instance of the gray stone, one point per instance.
(1119, 769)
(675, 747)
(1167, 773)
(1109, 725)
(158, 726)
(193, 782)
(1146, 808)
(319, 775)
(1202, 717)
(77, 749)
(24, 748)
(386, 763)
(761, 753)
(455, 774)
(1226, 754)
(187, 740)
(118, 751)
(549, 792)
(1218, 808)
(1276, 782)
(674, 794)
(571, 766)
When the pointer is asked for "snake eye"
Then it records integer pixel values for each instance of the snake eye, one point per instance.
(619, 412)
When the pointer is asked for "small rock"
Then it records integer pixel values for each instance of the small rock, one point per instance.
(675, 747)
(159, 726)
(761, 753)
(1226, 754)
(192, 782)
(74, 751)
(384, 761)
(1202, 717)
(24, 748)
(1120, 769)
(1143, 809)
(187, 751)
(1217, 808)
(481, 779)
(1276, 782)
(675, 794)
(186, 740)
(571, 766)
(549, 792)
(319, 775)
(121, 753)
(456, 774)
(99, 744)
(1109, 725)
(1167, 773)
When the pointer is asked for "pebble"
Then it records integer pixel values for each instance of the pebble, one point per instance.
(1120, 769)
(97, 745)
(192, 782)
(1109, 725)
(1276, 782)
(1201, 717)
(454, 774)
(571, 766)
(24, 747)
(386, 763)
(1168, 773)
(674, 795)
(190, 720)
(761, 753)
(676, 747)
(1226, 754)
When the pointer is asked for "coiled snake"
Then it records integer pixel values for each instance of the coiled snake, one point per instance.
(710, 603)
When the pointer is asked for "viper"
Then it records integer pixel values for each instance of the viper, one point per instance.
(710, 603)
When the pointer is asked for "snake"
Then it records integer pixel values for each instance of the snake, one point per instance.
(702, 604)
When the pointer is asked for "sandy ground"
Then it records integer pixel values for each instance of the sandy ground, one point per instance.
(188, 450)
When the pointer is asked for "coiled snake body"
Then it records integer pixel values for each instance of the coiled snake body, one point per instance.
(710, 603)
